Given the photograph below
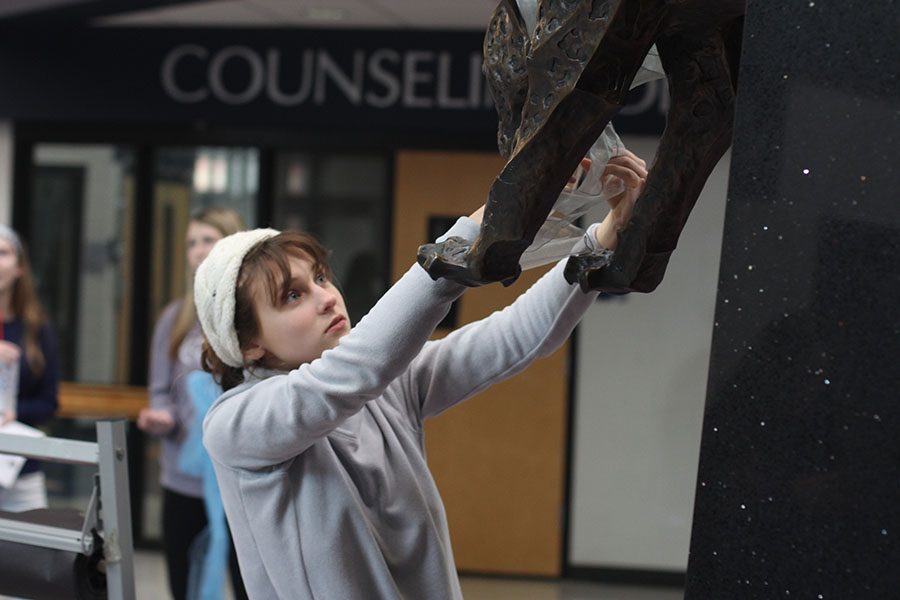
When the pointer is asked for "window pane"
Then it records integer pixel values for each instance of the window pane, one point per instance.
(353, 176)
(293, 175)
(81, 245)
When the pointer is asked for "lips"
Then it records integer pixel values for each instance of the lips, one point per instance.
(336, 324)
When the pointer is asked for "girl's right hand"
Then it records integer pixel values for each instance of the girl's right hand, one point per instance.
(9, 352)
(155, 422)
(7, 416)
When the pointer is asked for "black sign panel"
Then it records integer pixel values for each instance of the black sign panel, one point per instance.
(328, 79)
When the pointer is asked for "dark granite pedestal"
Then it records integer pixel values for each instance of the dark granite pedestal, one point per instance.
(798, 492)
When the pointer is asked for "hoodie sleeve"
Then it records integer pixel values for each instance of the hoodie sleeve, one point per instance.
(273, 420)
(485, 352)
(495, 348)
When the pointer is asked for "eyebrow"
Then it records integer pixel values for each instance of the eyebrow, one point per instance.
(294, 281)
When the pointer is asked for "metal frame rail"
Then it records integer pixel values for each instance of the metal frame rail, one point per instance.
(109, 510)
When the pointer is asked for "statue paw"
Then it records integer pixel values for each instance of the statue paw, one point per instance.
(447, 260)
(595, 271)
(599, 272)
(454, 259)
(651, 272)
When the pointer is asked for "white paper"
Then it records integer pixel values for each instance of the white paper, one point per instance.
(11, 464)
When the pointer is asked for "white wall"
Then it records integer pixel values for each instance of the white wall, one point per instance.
(639, 395)
(6, 165)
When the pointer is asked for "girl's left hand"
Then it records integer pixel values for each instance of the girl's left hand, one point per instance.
(632, 171)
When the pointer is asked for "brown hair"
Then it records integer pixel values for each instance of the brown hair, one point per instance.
(226, 221)
(27, 307)
(266, 265)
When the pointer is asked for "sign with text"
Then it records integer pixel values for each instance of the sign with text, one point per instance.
(411, 81)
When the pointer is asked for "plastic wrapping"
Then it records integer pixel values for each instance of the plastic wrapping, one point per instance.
(559, 233)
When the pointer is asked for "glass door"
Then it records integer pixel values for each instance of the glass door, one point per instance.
(79, 233)
(81, 245)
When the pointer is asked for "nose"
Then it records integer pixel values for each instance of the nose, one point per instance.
(327, 299)
(198, 247)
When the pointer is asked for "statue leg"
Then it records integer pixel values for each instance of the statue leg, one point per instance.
(505, 70)
(701, 70)
(544, 158)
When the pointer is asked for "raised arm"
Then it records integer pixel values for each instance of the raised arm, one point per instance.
(535, 325)
(480, 354)
(263, 423)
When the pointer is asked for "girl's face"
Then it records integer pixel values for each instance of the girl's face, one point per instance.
(200, 239)
(9, 265)
(310, 319)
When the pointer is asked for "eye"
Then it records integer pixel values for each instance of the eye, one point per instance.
(291, 296)
(321, 279)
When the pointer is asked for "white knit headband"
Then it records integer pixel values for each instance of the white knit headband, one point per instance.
(214, 291)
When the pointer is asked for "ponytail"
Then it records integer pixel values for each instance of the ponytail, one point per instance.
(227, 377)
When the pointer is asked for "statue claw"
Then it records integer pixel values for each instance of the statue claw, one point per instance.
(587, 268)
(454, 259)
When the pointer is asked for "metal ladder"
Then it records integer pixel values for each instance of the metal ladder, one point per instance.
(108, 513)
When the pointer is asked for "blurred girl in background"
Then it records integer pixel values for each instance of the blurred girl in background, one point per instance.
(28, 345)
(174, 354)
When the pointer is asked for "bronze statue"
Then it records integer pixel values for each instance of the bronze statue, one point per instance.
(556, 86)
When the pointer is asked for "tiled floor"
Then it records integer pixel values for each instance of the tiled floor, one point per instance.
(150, 574)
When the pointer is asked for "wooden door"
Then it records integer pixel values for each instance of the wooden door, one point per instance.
(498, 459)
(171, 215)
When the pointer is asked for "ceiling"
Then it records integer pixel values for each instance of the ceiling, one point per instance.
(387, 14)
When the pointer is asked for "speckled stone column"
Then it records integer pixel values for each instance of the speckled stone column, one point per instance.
(798, 492)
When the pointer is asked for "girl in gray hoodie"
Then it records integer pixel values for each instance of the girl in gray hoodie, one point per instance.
(317, 442)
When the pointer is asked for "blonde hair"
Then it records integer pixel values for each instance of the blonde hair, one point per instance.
(226, 221)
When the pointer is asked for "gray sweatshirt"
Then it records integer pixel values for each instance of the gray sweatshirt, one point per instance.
(322, 470)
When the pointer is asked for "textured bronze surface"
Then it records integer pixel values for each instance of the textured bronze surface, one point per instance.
(557, 87)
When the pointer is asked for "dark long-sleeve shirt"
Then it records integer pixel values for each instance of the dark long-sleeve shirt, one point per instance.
(38, 395)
